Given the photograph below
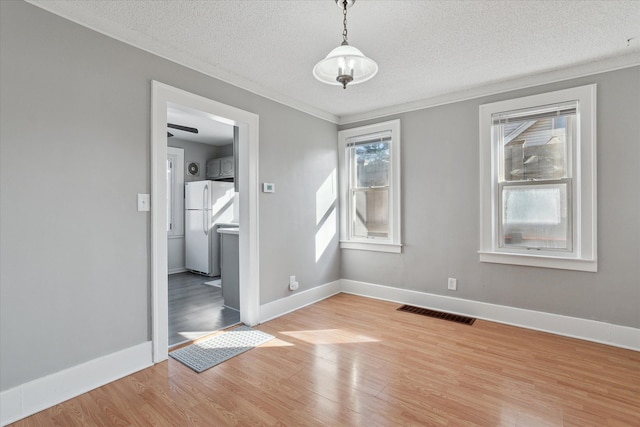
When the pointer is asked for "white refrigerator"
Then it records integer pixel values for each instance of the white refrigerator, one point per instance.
(208, 204)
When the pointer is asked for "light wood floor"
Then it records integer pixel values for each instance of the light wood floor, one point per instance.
(353, 361)
(196, 309)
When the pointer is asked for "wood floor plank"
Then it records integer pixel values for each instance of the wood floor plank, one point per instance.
(354, 361)
(196, 309)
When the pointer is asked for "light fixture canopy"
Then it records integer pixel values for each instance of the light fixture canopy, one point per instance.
(345, 64)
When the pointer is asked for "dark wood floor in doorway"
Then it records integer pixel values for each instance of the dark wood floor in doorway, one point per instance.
(196, 309)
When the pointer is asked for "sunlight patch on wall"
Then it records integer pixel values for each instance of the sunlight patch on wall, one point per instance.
(325, 234)
(326, 197)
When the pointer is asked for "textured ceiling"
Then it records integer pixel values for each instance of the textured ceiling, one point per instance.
(426, 50)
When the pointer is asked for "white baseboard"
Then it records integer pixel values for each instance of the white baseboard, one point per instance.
(42, 393)
(298, 300)
(177, 270)
(589, 330)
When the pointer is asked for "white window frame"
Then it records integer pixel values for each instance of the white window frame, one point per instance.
(583, 256)
(176, 155)
(393, 242)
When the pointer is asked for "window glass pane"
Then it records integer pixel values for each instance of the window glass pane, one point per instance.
(371, 163)
(369, 159)
(370, 214)
(535, 148)
(535, 216)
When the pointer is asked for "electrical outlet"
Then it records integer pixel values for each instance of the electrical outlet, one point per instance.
(452, 284)
(293, 285)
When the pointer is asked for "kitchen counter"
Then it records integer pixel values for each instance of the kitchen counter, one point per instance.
(230, 266)
(229, 230)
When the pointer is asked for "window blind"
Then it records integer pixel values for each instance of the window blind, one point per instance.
(369, 139)
(557, 110)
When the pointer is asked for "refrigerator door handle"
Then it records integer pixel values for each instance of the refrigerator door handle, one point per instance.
(205, 210)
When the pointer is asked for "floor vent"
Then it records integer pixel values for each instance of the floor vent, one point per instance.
(438, 314)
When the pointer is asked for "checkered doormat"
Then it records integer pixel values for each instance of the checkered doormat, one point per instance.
(209, 353)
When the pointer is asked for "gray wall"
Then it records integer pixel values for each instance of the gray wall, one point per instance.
(74, 252)
(440, 193)
(225, 150)
(175, 254)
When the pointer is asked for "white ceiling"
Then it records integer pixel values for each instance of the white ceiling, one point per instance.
(428, 52)
(210, 131)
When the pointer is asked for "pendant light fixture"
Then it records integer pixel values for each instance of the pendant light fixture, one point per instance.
(345, 64)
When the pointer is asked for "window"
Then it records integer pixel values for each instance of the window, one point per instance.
(538, 180)
(175, 192)
(370, 187)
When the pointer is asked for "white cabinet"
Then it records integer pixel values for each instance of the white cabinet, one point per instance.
(213, 168)
(221, 168)
(226, 167)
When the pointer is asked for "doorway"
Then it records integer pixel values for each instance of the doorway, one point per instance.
(196, 147)
(247, 181)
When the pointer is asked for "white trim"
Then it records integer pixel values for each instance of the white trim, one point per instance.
(42, 393)
(178, 192)
(574, 327)
(481, 91)
(280, 307)
(11, 406)
(247, 124)
(27, 399)
(371, 246)
(140, 41)
(394, 243)
(177, 270)
(574, 264)
(133, 38)
(584, 197)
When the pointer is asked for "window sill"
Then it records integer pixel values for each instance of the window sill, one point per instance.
(395, 248)
(576, 264)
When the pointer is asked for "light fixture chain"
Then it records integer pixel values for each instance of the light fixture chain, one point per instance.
(344, 64)
(344, 22)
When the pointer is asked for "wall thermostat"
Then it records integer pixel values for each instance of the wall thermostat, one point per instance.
(268, 187)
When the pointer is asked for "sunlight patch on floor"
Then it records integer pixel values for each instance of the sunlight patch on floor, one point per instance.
(276, 343)
(329, 336)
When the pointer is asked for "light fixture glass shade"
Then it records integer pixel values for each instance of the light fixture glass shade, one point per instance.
(345, 60)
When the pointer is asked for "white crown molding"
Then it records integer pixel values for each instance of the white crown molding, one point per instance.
(140, 41)
(42, 393)
(574, 327)
(554, 76)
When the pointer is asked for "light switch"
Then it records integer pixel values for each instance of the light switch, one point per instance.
(143, 202)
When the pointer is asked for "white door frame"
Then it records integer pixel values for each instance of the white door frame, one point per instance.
(247, 174)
